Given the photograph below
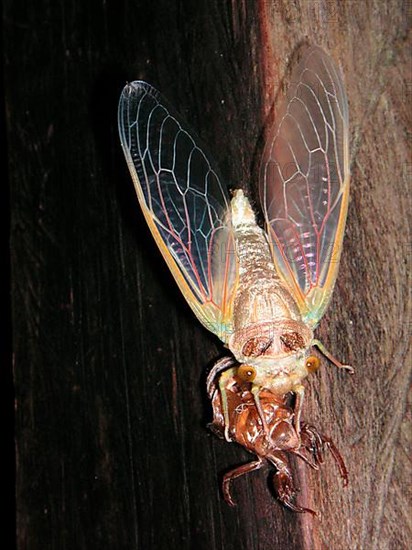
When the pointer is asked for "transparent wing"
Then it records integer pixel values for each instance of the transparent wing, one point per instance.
(304, 182)
(183, 201)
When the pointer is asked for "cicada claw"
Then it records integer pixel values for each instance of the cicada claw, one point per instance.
(286, 492)
(324, 351)
(317, 444)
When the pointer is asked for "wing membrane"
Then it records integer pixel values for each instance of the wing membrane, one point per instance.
(304, 182)
(183, 201)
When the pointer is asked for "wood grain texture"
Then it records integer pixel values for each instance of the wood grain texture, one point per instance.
(112, 450)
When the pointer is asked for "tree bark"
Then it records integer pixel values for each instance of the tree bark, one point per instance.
(109, 362)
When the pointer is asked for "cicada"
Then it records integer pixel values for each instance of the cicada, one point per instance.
(262, 291)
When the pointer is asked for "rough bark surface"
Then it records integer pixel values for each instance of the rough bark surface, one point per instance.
(109, 362)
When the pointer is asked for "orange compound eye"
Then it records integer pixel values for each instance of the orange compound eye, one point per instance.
(312, 363)
(246, 373)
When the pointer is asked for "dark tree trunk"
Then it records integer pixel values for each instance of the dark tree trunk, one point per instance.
(109, 362)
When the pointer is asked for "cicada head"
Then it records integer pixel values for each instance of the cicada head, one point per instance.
(273, 354)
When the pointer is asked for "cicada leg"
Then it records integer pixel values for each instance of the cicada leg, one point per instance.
(313, 442)
(284, 485)
(224, 377)
(255, 392)
(338, 459)
(237, 472)
(286, 492)
(222, 367)
(219, 367)
(317, 444)
(332, 359)
(300, 396)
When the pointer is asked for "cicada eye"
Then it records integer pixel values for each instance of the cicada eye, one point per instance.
(246, 373)
(312, 363)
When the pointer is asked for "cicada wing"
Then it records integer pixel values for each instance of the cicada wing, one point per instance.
(304, 182)
(184, 203)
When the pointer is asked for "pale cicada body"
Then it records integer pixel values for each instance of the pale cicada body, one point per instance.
(268, 331)
(261, 291)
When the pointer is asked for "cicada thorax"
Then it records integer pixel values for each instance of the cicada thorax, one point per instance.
(268, 329)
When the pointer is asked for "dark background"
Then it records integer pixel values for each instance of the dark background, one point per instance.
(108, 361)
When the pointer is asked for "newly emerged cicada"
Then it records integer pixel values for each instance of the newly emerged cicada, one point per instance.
(261, 291)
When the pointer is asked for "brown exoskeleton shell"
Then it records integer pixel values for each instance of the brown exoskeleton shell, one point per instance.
(273, 443)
